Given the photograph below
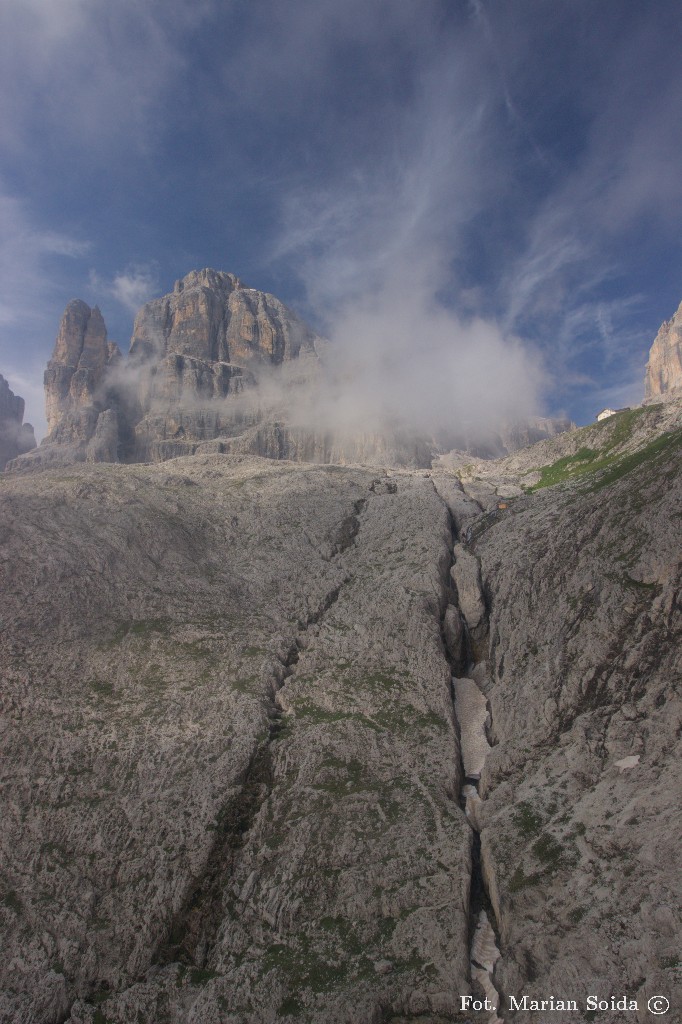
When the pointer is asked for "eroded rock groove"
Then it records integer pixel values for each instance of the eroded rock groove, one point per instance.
(194, 930)
(473, 722)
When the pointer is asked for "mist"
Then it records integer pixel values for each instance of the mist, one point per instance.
(378, 244)
(404, 364)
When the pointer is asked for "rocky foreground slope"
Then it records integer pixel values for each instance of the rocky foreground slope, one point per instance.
(324, 743)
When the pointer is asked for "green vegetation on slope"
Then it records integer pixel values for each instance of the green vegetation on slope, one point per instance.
(609, 459)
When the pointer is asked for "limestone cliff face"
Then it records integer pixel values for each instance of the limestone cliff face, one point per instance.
(212, 316)
(74, 377)
(191, 352)
(16, 436)
(205, 342)
(217, 366)
(664, 369)
(236, 770)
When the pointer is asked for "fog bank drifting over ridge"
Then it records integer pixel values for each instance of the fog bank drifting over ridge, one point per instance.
(396, 360)
(216, 362)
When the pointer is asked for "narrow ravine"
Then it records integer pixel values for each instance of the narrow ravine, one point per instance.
(464, 629)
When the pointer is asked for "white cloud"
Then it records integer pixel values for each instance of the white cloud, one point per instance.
(26, 261)
(131, 287)
(285, 56)
(32, 264)
(89, 71)
(375, 242)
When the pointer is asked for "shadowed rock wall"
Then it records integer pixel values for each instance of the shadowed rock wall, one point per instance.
(16, 436)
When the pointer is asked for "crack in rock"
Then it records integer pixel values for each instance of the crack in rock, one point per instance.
(194, 930)
(464, 629)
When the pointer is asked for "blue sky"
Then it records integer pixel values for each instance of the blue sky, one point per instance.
(517, 163)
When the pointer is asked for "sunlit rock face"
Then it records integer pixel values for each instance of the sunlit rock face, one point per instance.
(15, 435)
(215, 363)
(664, 369)
(204, 343)
(84, 417)
(211, 315)
(192, 353)
(75, 375)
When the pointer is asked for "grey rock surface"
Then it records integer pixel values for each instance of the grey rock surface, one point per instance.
(234, 770)
(664, 369)
(233, 783)
(467, 580)
(578, 819)
(75, 375)
(16, 437)
(471, 710)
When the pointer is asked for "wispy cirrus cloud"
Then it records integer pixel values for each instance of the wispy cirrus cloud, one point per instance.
(32, 261)
(89, 72)
(376, 240)
(512, 163)
(27, 252)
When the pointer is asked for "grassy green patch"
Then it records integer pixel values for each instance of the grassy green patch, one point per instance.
(11, 900)
(527, 821)
(659, 446)
(140, 627)
(102, 687)
(378, 681)
(548, 850)
(566, 468)
(303, 967)
(519, 880)
(403, 718)
(624, 423)
(200, 975)
(290, 1007)
(307, 711)
(253, 652)
(592, 460)
(349, 777)
(344, 933)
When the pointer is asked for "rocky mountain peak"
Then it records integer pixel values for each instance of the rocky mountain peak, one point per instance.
(82, 337)
(192, 352)
(664, 369)
(217, 280)
(212, 316)
(216, 365)
(16, 437)
(82, 353)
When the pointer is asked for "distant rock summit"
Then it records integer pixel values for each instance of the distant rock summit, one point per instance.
(191, 350)
(215, 366)
(664, 369)
(77, 401)
(16, 436)
(206, 342)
